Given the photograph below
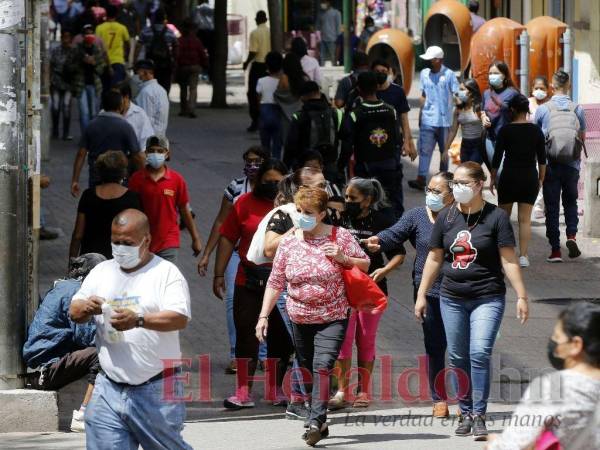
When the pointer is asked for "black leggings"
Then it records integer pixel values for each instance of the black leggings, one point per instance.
(247, 304)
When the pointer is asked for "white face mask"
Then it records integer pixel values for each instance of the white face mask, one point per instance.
(127, 256)
(462, 193)
(390, 78)
(540, 94)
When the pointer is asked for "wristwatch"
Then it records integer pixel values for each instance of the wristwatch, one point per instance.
(139, 323)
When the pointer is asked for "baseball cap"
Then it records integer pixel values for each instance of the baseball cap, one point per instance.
(144, 64)
(157, 141)
(433, 52)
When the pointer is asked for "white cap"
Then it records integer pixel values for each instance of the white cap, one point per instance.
(433, 52)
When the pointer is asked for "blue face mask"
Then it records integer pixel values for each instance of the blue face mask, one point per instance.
(307, 223)
(155, 160)
(496, 79)
(463, 95)
(434, 202)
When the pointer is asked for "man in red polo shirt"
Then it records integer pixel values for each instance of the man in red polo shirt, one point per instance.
(164, 194)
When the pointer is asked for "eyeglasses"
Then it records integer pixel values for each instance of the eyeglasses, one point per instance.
(458, 183)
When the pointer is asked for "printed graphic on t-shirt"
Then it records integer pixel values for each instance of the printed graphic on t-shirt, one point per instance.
(129, 302)
(378, 137)
(463, 251)
(169, 192)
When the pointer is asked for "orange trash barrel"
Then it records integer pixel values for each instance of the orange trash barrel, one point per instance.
(545, 49)
(448, 25)
(395, 47)
(497, 39)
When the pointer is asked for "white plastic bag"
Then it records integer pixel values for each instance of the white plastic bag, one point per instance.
(256, 252)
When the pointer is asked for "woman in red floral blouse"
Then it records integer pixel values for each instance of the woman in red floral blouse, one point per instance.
(309, 263)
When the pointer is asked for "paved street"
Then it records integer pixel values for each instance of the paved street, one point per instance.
(207, 151)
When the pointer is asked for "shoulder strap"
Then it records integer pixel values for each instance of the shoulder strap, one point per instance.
(334, 234)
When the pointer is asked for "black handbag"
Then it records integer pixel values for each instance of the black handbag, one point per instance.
(256, 277)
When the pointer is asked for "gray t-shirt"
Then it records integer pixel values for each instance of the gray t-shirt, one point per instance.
(329, 23)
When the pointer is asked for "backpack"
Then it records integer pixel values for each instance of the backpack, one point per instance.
(353, 99)
(159, 50)
(563, 144)
(323, 133)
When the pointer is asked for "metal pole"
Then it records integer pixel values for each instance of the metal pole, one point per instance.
(567, 51)
(13, 193)
(347, 40)
(45, 78)
(524, 63)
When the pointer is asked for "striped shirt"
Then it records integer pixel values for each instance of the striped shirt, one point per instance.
(237, 187)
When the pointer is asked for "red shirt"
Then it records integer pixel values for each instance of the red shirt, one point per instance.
(241, 224)
(191, 52)
(160, 201)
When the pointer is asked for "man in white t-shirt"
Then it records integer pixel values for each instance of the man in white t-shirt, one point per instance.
(148, 302)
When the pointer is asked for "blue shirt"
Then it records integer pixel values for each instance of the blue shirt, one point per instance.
(438, 88)
(413, 226)
(542, 118)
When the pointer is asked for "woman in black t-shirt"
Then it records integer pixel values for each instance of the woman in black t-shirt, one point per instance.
(523, 146)
(99, 205)
(366, 214)
(472, 242)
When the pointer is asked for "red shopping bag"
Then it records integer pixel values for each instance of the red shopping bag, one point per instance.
(548, 441)
(362, 292)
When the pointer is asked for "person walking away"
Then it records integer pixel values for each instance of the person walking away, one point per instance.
(310, 65)
(316, 127)
(438, 85)
(128, 16)
(329, 23)
(139, 302)
(318, 308)
(416, 226)
(152, 97)
(522, 145)
(260, 45)
(253, 158)
(191, 60)
(88, 65)
(164, 196)
(250, 283)
(473, 243)
(366, 214)
(393, 94)
(466, 115)
(568, 399)
(108, 131)
(205, 23)
(288, 91)
(476, 20)
(540, 94)
(61, 350)
(99, 205)
(160, 44)
(135, 115)
(346, 93)
(496, 113)
(269, 123)
(563, 123)
(116, 37)
(369, 30)
(371, 133)
(61, 79)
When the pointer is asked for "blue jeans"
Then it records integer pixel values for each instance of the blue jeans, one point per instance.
(560, 181)
(118, 75)
(470, 150)
(471, 329)
(428, 137)
(298, 389)
(327, 52)
(269, 127)
(88, 105)
(127, 417)
(389, 174)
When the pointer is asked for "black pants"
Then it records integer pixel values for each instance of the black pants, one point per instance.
(72, 367)
(164, 76)
(246, 309)
(389, 174)
(317, 349)
(257, 70)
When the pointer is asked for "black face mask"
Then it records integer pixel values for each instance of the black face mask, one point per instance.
(353, 209)
(381, 77)
(267, 190)
(555, 361)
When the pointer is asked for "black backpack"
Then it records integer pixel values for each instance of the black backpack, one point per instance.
(159, 50)
(323, 133)
(353, 99)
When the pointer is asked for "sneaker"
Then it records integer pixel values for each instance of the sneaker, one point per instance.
(337, 402)
(77, 422)
(231, 369)
(574, 251)
(240, 400)
(480, 431)
(555, 257)
(315, 433)
(297, 411)
(523, 261)
(465, 425)
(418, 184)
(280, 399)
(440, 410)
(538, 213)
(47, 234)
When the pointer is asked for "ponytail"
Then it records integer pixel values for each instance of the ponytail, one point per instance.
(370, 187)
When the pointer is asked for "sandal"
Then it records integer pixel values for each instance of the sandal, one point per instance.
(337, 402)
(361, 400)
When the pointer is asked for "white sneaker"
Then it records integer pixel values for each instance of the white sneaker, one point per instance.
(77, 422)
(523, 261)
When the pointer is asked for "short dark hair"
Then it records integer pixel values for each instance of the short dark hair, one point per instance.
(310, 155)
(258, 151)
(309, 88)
(360, 59)
(261, 16)
(369, 19)
(380, 62)
(367, 83)
(583, 319)
(125, 89)
(519, 103)
(474, 6)
(560, 78)
(112, 100)
(274, 61)
(111, 11)
(111, 166)
(298, 46)
(543, 79)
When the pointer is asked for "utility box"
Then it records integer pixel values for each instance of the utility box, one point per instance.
(591, 208)
(395, 47)
(546, 54)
